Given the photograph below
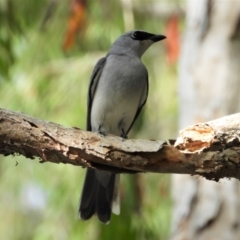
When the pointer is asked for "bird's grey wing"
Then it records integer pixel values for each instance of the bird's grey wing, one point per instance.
(92, 87)
(141, 104)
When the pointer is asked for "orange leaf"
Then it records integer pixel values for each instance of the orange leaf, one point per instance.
(173, 39)
(76, 22)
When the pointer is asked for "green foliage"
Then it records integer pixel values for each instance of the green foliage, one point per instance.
(40, 201)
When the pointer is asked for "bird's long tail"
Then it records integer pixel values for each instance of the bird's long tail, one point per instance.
(100, 195)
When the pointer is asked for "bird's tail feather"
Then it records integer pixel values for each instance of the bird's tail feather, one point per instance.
(99, 195)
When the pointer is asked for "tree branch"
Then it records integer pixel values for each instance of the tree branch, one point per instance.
(209, 149)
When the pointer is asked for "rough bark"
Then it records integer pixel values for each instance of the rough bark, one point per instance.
(209, 79)
(209, 149)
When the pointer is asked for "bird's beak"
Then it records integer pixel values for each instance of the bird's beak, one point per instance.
(156, 38)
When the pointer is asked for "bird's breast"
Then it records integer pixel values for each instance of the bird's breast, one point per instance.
(117, 96)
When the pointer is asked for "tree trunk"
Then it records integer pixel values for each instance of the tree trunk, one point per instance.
(209, 87)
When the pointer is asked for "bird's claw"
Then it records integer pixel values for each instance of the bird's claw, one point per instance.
(101, 132)
(124, 135)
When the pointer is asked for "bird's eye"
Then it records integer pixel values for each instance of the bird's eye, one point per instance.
(135, 35)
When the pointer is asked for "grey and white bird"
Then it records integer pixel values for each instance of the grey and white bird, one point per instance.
(117, 92)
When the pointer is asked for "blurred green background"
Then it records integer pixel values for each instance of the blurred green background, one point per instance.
(47, 52)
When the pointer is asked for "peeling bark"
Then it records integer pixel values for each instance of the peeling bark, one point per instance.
(209, 149)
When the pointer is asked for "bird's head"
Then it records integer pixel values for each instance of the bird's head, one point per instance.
(136, 41)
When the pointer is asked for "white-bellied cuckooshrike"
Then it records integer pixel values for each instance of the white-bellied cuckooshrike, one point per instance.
(117, 92)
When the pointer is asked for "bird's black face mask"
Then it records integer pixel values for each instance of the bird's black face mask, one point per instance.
(141, 36)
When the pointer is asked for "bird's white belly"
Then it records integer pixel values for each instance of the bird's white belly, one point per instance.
(114, 113)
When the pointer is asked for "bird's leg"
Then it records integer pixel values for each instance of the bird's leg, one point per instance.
(124, 135)
(100, 132)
